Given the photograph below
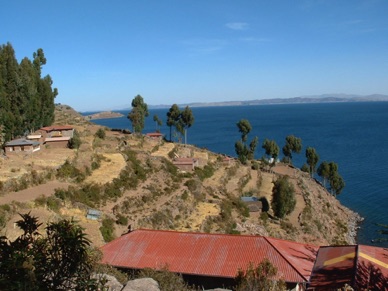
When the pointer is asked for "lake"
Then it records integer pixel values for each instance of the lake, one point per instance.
(354, 135)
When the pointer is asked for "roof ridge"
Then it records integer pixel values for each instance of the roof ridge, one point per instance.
(286, 259)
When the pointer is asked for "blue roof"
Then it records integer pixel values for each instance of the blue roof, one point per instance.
(249, 199)
(21, 142)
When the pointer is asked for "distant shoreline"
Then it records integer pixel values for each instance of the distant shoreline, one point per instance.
(104, 115)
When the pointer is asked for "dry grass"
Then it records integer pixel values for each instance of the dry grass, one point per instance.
(110, 168)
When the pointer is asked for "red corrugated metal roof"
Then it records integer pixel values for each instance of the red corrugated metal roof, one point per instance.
(300, 256)
(203, 254)
(57, 127)
(154, 134)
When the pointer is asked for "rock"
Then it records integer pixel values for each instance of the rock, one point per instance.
(144, 284)
(111, 282)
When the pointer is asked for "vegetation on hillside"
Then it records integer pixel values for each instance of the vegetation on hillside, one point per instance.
(26, 97)
(60, 260)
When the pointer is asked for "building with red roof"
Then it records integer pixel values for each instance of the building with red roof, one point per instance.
(360, 266)
(210, 260)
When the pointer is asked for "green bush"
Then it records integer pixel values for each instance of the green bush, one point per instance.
(121, 219)
(283, 197)
(206, 172)
(107, 229)
(75, 141)
(100, 133)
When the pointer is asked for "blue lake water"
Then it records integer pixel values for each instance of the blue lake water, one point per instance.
(354, 135)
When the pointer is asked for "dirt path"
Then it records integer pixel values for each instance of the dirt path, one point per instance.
(32, 193)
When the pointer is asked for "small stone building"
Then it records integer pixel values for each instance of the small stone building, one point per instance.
(186, 164)
(21, 146)
(56, 131)
(253, 203)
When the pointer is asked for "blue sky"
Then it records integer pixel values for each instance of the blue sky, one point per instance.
(100, 54)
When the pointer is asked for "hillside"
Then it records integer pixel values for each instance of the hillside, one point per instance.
(132, 180)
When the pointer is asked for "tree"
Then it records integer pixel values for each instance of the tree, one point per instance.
(312, 160)
(59, 260)
(186, 120)
(293, 145)
(26, 98)
(271, 149)
(329, 172)
(261, 277)
(323, 171)
(173, 116)
(158, 122)
(243, 151)
(283, 197)
(244, 127)
(138, 113)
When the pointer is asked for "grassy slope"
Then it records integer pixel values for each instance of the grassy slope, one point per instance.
(165, 199)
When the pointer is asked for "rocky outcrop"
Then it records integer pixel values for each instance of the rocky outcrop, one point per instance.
(143, 284)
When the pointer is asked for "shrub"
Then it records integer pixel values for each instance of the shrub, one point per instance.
(75, 141)
(100, 133)
(206, 172)
(283, 201)
(261, 277)
(59, 260)
(121, 219)
(107, 229)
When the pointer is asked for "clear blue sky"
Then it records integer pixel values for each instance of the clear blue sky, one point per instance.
(100, 54)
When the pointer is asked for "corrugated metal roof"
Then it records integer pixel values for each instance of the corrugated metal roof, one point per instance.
(214, 255)
(22, 142)
(57, 127)
(154, 134)
(362, 267)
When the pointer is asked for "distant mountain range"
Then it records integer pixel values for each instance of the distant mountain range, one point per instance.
(324, 98)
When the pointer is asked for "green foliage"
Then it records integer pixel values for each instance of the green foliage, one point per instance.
(121, 219)
(244, 127)
(26, 97)
(138, 113)
(293, 145)
(100, 133)
(305, 168)
(204, 173)
(158, 122)
(271, 149)
(329, 172)
(312, 159)
(243, 151)
(75, 142)
(186, 120)
(68, 170)
(261, 277)
(173, 116)
(107, 229)
(283, 197)
(59, 260)
(51, 202)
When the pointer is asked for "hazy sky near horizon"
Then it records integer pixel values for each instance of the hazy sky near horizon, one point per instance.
(100, 54)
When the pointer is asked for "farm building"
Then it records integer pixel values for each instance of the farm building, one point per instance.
(21, 146)
(186, 164)
(56, 131)
(209, 260)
